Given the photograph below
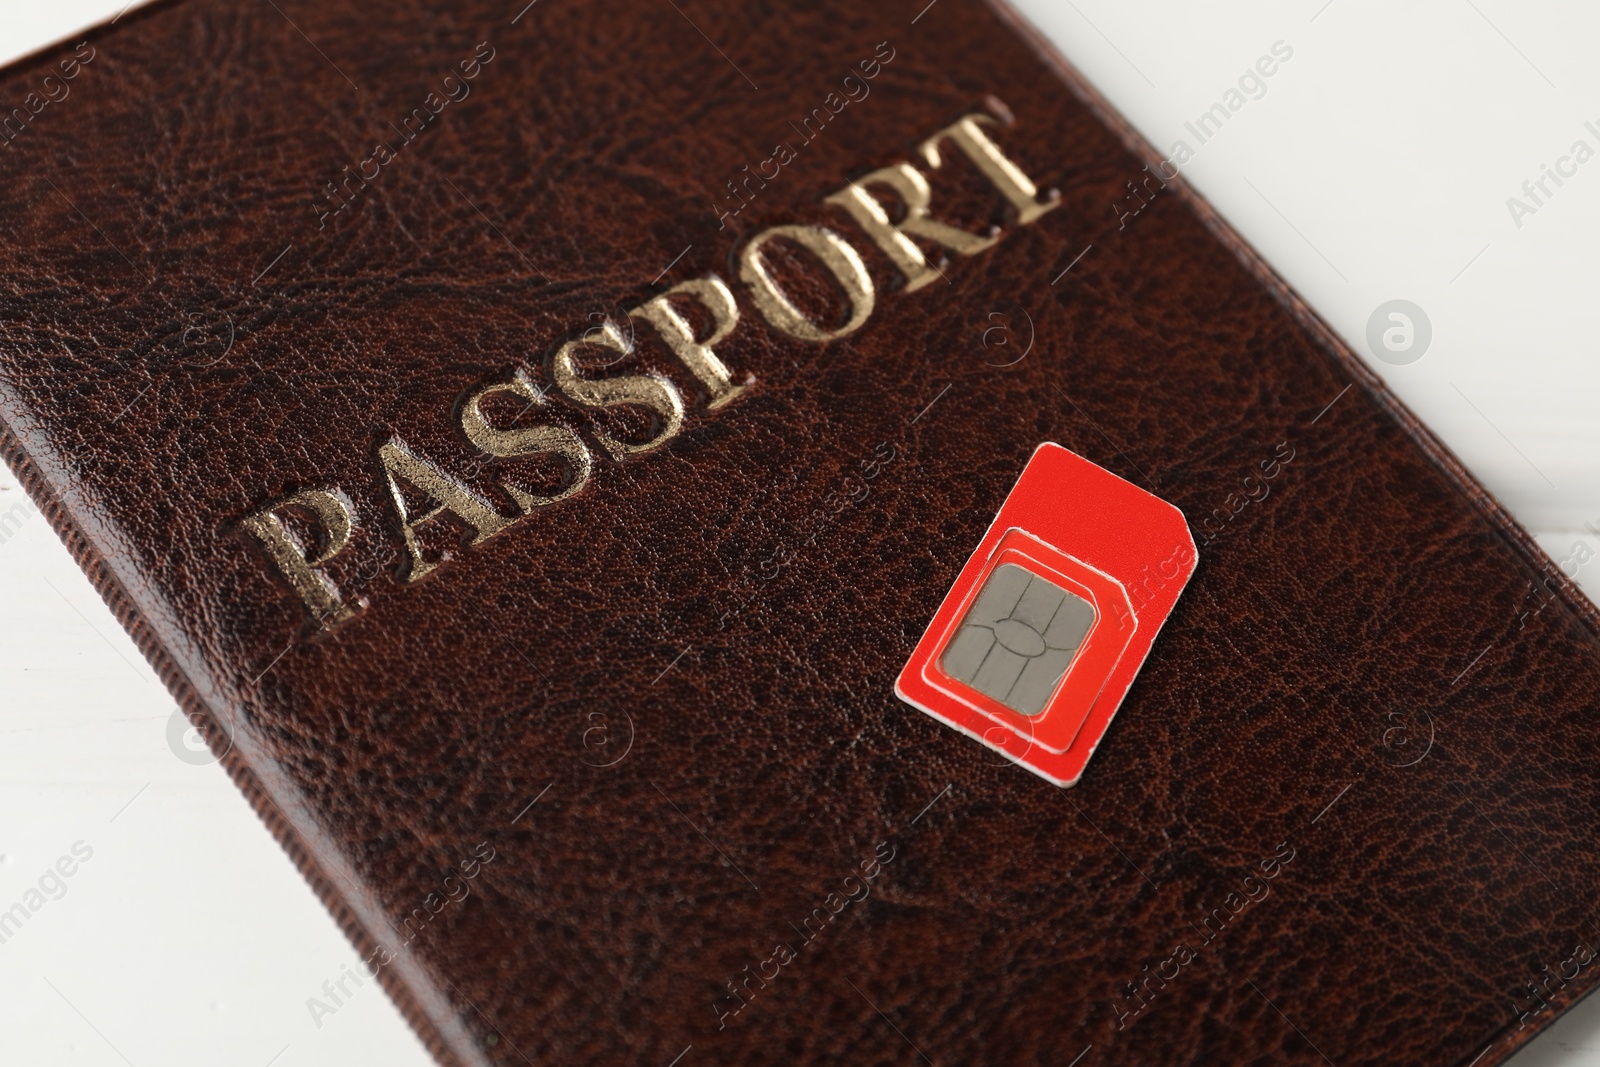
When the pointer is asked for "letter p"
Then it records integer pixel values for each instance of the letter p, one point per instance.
(331, 519)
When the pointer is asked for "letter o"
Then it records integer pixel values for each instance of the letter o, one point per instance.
(835, 253)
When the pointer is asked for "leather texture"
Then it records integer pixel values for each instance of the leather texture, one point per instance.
(689, 665)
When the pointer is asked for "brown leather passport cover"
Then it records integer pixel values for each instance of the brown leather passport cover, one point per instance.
(1344, 816)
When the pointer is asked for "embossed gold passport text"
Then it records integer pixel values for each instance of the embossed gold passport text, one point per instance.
(303, 532)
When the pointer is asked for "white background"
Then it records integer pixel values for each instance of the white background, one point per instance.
(1376, 167)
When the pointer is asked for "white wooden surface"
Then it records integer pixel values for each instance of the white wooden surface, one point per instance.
(1376, 167)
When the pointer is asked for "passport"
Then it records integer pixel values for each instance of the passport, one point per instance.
(533, 442)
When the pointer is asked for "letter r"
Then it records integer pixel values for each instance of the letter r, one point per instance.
(912, 188)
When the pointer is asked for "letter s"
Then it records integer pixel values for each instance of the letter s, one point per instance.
(1282, 50)
(526, 441)
(83, 851)
(484, 852)
(640, 390)
(79, 52)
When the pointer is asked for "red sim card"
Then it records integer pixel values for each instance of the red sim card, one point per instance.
(1045, 628)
